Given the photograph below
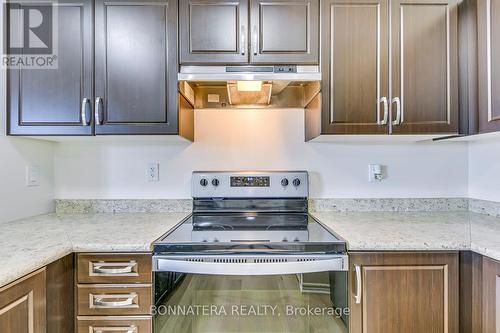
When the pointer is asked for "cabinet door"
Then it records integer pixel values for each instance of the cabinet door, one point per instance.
(213, 31)
(489, 65)
(136, 67)
(491, 295)
(354, 39)
(50, 101)
(404, 292)
(22, 305)
(424, 66)
(284, 31)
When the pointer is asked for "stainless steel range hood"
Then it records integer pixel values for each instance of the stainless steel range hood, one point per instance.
(250, 73)
(283, 86)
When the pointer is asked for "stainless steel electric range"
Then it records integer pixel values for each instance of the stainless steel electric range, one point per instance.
(250, 259)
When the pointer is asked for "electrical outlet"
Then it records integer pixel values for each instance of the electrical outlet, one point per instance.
(33, 175)
(153, 172)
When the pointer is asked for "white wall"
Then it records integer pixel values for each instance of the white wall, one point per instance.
(484, 168)
(16, 199)
(259, 139)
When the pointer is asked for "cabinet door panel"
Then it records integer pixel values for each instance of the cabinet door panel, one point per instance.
(489, 65)
(491, 295)
(213, 31)
(405, 292)
(424, 69)
(284, 31)
(43, 101)
(22, 305)
(354, 67)
(136, 67)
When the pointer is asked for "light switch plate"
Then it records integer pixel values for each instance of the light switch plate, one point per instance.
(33, 175)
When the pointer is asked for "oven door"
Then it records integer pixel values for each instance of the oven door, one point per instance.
(242, 293)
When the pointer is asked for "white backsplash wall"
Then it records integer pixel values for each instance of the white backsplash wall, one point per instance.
(16, 199)
(258, 139)
(484, 170)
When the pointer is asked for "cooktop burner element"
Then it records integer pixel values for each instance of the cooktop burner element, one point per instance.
(262, 212)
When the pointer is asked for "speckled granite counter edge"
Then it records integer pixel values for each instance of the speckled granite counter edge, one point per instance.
(484, 207)
(315, 205)
(389, 205)
(123, 206)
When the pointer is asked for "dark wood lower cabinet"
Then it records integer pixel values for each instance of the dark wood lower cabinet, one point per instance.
(115, 324)
(404, 292)
(60, 295)
(23, 306)
(491, 295)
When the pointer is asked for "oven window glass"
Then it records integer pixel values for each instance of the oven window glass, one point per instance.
(301, 303)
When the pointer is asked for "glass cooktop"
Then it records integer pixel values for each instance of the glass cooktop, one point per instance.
(249, 232)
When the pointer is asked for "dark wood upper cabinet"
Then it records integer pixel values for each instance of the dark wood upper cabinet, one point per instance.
(394, 292)
(23, 305)
(249, 31)
(50, 101)
(424, 43)
(488, 64)
(366, 90)
(136, 67)
(355, 67)
(213, 31)
(284, 31)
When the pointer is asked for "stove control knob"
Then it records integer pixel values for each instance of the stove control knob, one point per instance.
(215, 182)
(203, 182)
(284, 182)
(296, 182)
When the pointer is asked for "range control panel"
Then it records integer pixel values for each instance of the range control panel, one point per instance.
(250, 184)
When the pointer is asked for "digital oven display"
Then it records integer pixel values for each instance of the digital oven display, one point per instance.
(249, 181)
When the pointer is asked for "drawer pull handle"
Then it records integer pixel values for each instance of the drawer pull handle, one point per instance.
(124, 329)
(127, 301)
(116, 268)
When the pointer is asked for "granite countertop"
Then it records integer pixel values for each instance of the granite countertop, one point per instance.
(453, 230)
(32, 243)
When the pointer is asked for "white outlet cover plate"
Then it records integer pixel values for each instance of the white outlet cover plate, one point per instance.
(153, 172)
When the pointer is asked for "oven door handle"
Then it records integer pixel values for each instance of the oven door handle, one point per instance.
(193, 265)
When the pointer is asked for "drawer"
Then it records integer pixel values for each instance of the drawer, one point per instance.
(110, 299)
(114, 325)
(114, 268)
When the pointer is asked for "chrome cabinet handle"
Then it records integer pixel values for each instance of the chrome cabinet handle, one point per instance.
(115, 329)
(254, 42)
(112, 268)
(398, 111)
(97, 110)
(98, 301)
(357, 297)
(243, 45)
(85, 104)
(386, 111)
